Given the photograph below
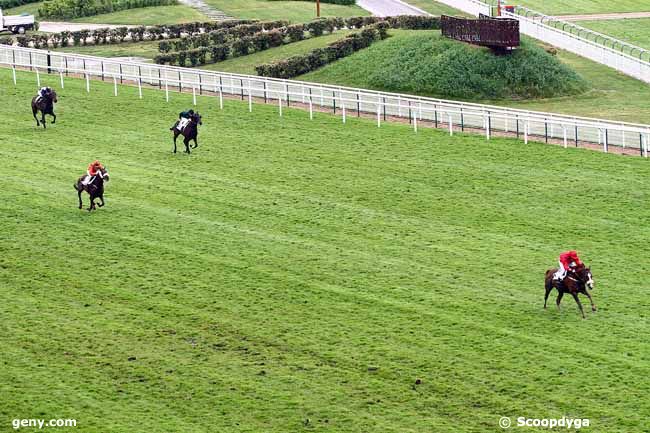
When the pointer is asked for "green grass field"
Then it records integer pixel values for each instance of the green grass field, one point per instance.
(301, 276)
(147, 50)
(436, 8)
(139, 16)
(295, 11)
(634, 31)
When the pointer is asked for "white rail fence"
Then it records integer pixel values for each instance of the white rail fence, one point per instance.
(536, 26)
(418, 111)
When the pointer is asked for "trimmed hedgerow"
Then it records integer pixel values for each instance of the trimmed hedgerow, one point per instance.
(120, 34)
(6, 4)
(220, 36)
(68, 9)
(298, 65)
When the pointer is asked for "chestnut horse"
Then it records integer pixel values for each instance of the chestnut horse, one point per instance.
(577, 280)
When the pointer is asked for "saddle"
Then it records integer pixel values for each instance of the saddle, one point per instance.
(182, 124)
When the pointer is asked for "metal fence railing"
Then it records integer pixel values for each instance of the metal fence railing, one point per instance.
(418, 111)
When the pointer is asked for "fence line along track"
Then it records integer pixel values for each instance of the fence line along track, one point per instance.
(456, 116)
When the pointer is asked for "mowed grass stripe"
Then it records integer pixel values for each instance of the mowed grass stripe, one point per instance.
(298, 284)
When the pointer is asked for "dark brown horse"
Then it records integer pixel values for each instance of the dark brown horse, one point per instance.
(577, 280)
(190, 132)
(45, 105)
(94, 188)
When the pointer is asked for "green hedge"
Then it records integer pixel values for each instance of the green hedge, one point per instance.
(119, 34)
(217, 37)
(6, 4)
(68, 9)
(298, 65)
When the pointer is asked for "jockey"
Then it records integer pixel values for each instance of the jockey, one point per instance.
(44, 91)
(182, 115)
(568, 260)
(93, 169)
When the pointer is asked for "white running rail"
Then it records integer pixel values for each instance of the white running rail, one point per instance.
(452, 115)
(536, 27)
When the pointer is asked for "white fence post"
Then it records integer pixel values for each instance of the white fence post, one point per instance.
(87, 84)
(451, 125)
(38, 78)
(61, 79)
(378, 114)
(13, 71)
(566, 144)
(166, 89)
(140, 88)
(280, 103)
(526, 129)
(250, 98)
(342, 105)
(194, 95)
(415, 122)
(311, 109)
(220, 99)
(114, 85)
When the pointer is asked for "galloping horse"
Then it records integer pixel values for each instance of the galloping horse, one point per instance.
(94, 188)
(577, 280)
(190, 132)
(45, 105)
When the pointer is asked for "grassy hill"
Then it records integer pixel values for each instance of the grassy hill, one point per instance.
(425, 63)
(302, 276)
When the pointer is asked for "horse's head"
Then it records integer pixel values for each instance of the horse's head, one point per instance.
(52, 95)
(584, 275)
(103, 173)
(196, 118)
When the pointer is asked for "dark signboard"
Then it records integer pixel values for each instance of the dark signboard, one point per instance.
(496, 33)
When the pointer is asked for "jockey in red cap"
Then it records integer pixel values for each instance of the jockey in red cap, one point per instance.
(93, 168)
(568, 260)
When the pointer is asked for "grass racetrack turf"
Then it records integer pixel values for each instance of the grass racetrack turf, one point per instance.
(294, 275)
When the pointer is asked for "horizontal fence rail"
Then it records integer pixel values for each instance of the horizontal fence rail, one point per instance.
(452, 115)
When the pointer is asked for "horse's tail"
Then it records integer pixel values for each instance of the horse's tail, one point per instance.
(548, 280)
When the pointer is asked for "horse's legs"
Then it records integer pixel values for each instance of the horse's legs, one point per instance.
(593, 306)
(101, 197)
(43, 119)
(35, 111)
(175, 137)
(582, 311)
(196, 143)
(559, 298)
(79, 191)
(187, 145)
(53, 115)
(548, 286)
